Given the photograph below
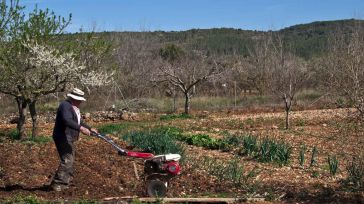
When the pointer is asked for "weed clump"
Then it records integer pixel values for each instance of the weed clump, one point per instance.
(301, 158)
(355, 169)
(227, 171)
(333, 164)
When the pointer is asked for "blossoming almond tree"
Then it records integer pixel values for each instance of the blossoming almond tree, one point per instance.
(32, 67)
(45, 71)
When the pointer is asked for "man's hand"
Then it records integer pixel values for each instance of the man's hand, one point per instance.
(85, 131)
(94, 130)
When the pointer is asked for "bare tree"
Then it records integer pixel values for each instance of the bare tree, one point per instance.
(259, 61)
(283, 73)
(344, 66)
(185, 71)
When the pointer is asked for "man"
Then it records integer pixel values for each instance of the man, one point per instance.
(66, 131)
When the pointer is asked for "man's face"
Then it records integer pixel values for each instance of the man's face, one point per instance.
(76, 103)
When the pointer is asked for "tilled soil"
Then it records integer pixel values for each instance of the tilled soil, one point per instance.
(27, 169)
(99, 173)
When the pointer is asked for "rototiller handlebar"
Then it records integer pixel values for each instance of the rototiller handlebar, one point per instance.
(122, 151)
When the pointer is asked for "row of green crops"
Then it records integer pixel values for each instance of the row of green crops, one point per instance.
(162, 140)
(156, 141)
(266, 150)
(203, 140)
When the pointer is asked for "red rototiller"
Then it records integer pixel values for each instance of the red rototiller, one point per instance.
(158, 169)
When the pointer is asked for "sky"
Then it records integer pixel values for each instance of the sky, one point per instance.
(178, 15)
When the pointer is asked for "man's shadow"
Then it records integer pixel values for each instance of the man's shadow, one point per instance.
(15, 187)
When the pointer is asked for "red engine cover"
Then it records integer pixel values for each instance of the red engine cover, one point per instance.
(173, 167)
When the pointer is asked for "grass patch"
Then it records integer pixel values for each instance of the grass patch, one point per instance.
(175, 116)
(13, 134)
(37, 140)
(30, 199)
(113, 128)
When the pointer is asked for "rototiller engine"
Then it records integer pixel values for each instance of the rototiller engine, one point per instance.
(158, 170)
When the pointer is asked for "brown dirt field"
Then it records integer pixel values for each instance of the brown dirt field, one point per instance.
(26, 169)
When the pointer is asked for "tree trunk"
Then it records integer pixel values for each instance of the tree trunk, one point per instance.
(288, 104)
(174, 103)
(33, 114)
(22, 105)
(187, 103)
(287, 119)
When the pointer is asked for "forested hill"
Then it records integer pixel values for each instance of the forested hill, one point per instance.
(306, 40)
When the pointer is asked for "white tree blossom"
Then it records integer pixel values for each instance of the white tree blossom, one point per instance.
(50, 70)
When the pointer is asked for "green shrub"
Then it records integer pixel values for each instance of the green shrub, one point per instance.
(333, 164)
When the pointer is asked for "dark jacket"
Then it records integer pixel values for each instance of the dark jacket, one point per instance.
(66, 127)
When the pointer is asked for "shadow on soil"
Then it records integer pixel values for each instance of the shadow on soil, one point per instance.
(16, 187)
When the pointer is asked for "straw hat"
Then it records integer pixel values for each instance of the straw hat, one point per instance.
(77, 94)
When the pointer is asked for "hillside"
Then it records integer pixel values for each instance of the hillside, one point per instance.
(307, 40)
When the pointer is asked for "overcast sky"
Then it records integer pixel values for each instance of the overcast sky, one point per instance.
(176, 15)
